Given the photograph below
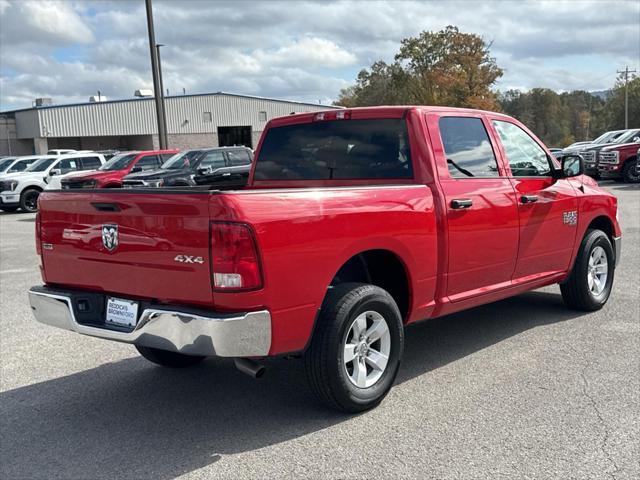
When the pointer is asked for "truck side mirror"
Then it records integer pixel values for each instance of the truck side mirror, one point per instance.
(572, 165)
(55, 171)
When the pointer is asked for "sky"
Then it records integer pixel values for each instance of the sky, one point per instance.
(305, 51)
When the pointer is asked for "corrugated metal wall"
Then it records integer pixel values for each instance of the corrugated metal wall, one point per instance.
(185, 115)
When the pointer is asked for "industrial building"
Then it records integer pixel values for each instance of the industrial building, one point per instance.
(202, 120)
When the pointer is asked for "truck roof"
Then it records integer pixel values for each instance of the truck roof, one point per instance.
(390, 111)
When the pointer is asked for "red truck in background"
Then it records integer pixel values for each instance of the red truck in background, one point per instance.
(110, 175)
(354, 223)
(620, 162)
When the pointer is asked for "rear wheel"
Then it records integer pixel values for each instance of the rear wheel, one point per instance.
(589, 284)
(167, 358)
(29, 200)
(356, 349)
(630, 172)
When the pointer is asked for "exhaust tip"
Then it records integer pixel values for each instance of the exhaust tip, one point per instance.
(250, 367)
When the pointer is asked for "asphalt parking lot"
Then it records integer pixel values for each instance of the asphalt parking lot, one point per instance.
(522, 388)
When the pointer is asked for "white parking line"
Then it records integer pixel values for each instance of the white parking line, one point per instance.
(17, 270)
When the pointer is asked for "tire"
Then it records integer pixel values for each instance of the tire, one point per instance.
(9, 209)
(630, 172)
(579, 291)
(333, 379)
(166, 358)
(29, 200)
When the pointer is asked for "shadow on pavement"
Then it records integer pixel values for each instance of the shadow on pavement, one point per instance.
(623, 186)
(132, 419)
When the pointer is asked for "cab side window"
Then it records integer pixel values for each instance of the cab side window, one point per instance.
(68, 165)
(526, 158)
(467, 148)
(21, 165)
(213, 159)
(149, 162)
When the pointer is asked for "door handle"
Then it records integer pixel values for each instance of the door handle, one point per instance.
(460, 203)
(529, 198)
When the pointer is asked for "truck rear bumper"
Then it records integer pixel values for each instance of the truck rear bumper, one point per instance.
(174, 329)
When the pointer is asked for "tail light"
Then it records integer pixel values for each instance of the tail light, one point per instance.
(234, 257)
(38, 235)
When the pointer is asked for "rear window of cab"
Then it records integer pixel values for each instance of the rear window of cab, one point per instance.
(336, 150)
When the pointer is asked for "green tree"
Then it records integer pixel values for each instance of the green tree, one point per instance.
(447, 67)
(558, 119)
(614, 108)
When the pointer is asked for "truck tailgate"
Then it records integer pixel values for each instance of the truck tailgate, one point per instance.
(147, 244)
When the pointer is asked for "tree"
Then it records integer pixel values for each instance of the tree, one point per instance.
(447, 67)
(614, 108)
(383, 84)
(558, 119)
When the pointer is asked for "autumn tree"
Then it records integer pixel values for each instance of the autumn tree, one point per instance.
(447, 67)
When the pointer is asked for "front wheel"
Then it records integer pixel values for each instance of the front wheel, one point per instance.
(630, 171)
(29, 200)
(356, 349)
(589, 284)
(166, 358)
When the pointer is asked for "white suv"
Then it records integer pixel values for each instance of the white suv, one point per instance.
(16, 164)
(22, 189)
(88, 162)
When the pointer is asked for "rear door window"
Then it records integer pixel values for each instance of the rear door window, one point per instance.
(148, 162)
(90, 163)
(336, 149)
(467, 148)
(238, 158)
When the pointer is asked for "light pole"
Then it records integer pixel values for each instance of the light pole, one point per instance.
(626, 72)
(164, 105)
(157, 79)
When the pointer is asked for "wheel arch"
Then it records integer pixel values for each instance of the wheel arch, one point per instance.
(604, 223)
(381, 267)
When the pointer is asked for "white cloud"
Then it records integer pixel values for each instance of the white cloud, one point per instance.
(42, 23)
(299, 50)
(313, 51)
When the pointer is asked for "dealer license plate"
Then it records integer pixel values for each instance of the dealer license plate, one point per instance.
(121, 312)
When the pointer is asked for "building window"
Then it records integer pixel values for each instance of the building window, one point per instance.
(262, 116)
(206, 117)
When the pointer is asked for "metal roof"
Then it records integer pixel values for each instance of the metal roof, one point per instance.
(185, 115)
(138, 99)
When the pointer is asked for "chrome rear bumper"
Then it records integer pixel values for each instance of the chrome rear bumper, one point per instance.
(237, 335)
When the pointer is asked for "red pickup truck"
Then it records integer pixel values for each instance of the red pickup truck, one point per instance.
(620, 162)
(110, 174)
(354, 223)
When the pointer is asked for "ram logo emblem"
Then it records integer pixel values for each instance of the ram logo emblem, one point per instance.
(110, 237)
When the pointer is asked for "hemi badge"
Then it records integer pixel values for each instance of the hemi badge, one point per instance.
(570, 218)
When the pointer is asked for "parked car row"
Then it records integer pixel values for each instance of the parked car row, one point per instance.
(611, 155)
(22, 179)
